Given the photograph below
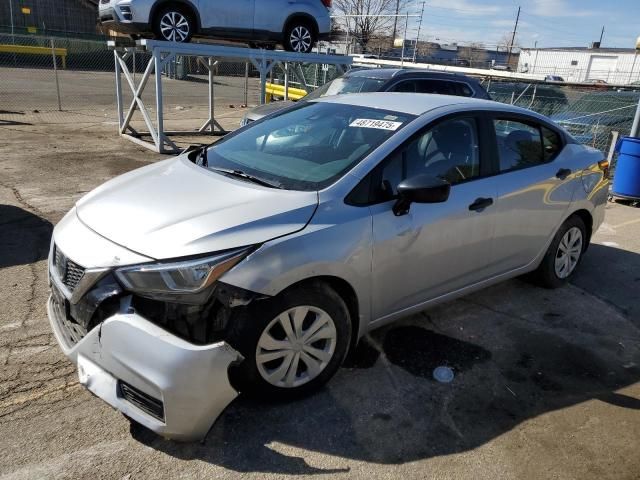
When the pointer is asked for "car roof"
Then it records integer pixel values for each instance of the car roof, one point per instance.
(389, 73)
(414, 103)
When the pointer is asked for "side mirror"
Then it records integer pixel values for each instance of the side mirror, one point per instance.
(420, 189)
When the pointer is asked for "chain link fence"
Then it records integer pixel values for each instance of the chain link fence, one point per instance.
(55, 76)
(590, 115)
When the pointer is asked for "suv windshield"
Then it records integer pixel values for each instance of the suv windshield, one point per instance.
(346, 85)
(307, 148)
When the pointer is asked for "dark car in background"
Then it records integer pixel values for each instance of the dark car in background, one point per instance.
(539, 97)
(591, 118)
(384, 80)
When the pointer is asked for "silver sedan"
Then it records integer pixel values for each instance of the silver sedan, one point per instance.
(255, 264)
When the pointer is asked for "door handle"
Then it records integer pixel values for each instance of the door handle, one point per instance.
(563, 173)
(480, 204)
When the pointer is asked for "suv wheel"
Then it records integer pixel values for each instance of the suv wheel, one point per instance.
(174, 24)
(292, 343)
(299, 37)
(564, 254)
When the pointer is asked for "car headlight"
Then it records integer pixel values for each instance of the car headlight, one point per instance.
(186, 281)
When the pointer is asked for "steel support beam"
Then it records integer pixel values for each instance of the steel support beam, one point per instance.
(208, 55)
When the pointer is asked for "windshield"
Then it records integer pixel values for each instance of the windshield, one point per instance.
(346, 85)
(307, 148)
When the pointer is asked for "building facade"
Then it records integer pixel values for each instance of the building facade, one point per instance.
(619, 66)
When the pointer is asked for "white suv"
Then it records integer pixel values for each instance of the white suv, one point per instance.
(296, 24)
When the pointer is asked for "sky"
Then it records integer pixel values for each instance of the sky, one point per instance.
(552, 23)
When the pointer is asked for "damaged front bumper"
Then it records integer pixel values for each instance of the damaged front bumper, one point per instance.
(163, 382)
(173, 385)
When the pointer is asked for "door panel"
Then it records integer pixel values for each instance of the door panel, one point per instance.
(435, 249)
(535, 188)
(532, 203)
(232, 18)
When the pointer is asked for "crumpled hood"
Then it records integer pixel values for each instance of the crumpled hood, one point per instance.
(174, 208)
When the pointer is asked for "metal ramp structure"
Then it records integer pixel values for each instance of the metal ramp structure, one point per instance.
(163, 53)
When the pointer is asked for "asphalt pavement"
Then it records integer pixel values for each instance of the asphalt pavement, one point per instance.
(546, 383)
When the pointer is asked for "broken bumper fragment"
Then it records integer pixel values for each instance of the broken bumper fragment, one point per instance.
(174, 388)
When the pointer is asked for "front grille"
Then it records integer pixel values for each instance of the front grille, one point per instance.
(71, 331)
(104, 1)
(69, 272)
(144, 402)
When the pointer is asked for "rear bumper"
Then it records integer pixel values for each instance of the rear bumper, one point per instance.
(179, 389)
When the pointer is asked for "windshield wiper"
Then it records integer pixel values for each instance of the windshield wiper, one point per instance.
(246, 176)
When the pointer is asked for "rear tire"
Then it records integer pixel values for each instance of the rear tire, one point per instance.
(174, 24)
(299, 36)
(292, 343)
(564, 254)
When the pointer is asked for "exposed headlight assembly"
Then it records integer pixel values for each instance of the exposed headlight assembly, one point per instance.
(188, 281)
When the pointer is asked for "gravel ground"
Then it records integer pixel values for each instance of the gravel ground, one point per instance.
(546, 386)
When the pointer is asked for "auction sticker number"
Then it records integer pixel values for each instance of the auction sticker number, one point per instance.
(379, 124)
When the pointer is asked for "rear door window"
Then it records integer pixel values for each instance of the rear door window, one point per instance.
(520, 144)
(552, 143)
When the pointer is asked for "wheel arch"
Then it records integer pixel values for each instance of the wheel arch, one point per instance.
(300, 16)
(587, 219)
(182, 3)
(346, 291)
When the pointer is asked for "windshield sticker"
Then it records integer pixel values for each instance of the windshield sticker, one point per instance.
(379, 124)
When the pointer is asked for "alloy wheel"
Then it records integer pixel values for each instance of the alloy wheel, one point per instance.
(300, 39)
(569, 251)
(296, 346)
(174, 27)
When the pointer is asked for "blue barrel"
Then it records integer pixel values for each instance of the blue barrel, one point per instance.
(626, 180)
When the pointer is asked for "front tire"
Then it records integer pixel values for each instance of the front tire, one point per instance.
(292, 343)
(564, 254)
(299, 37)
(174, 24)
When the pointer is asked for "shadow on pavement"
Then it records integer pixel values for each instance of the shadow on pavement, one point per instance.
(613, 275)
(24, 237)
(385, 407)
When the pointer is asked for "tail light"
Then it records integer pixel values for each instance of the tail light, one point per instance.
(604, 166)
(327, 3)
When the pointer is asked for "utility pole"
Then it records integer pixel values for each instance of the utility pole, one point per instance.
(415, 47)
(395, 23)
(513, 37)
(601, 36)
